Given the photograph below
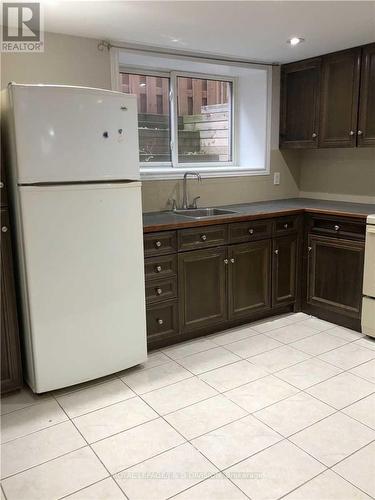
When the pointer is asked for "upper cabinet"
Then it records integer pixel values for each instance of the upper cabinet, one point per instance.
(329, 101)
(300, 104)
(339, 99)
(366, 121)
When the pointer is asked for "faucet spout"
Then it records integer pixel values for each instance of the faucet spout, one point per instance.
(185, 203)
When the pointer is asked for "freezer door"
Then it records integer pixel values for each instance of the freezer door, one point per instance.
(84, 279)
(73, 134)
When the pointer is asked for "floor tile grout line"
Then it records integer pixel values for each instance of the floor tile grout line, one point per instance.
(92, 484)
(34, 432)
(46, 399)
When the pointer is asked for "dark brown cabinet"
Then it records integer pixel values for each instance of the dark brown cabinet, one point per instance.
(366, 122)
(202, 288)
(339, 99)
(334, 275)
(284, 269)
(299, 111)
(11, 373)
(249, 273)
(329, 101)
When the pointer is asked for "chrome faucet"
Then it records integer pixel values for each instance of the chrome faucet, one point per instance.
(185, 204)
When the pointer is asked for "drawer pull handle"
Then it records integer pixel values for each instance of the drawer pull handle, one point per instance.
(158, 244)
(4, 229)
(1, 184)
(336, 227)
(159, 291)
(285, 226)
(232, 261)
(251, 231)
(203, 237)
(276, 252)
(309, 249)
(160, 321)
(158, 269)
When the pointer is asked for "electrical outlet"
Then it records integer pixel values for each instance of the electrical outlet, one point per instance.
(276, 178)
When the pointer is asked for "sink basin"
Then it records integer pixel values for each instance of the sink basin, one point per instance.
(200, 213)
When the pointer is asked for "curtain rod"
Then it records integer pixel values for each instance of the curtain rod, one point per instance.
(103, 44)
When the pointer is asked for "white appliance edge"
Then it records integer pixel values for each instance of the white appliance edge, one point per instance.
(368, 302)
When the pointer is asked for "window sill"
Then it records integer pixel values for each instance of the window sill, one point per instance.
(167, 173)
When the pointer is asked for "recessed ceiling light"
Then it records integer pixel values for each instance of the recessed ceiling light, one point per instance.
(295, 40)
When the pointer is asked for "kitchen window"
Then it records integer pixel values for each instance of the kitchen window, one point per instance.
(194, 114)
(183, 120)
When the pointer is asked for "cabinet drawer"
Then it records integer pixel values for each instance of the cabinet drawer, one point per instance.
(286, 225)
(202, 237)
(162, 266)
(158, 290)
(162, 320)
(241, 232)
(338, 227)
(159, 243)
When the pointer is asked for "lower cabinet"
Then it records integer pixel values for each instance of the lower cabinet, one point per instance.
(284, 269)
(162, 320)
(202, 288)
(249, 284)
(335, 275)
(11, 372)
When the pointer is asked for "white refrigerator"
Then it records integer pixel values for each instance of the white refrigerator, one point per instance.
(77, 206)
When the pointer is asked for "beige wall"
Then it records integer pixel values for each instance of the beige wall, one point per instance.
(67, 60)
(342, 174)
(338, 174)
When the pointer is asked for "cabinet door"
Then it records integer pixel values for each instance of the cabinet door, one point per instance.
(366, 122)
(339, 99)
(202, 288)
(11, 377)
(335, 275)
(299, 107)
(284, 269)
(249, 278)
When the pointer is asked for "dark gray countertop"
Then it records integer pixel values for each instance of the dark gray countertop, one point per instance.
(159, 221)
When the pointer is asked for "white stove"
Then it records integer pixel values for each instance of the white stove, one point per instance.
(368, 303)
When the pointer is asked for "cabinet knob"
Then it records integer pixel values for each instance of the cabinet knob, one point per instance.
(309, 249)
(251, 231)
(351, 132)
(314, 135)
(232, 261)
(158, 269)
(158, 244)
(160, 321)
(203, 237)
(285, 226)
(225, 261)
(359, 132)
(159, 291)
(1, 185)
(4, 229)
(336, 227)
(276, 252)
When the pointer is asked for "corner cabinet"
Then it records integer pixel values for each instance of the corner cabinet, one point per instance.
(339, 99)
(329, 101)
(334, 269)
(366, 122)
(299, 108)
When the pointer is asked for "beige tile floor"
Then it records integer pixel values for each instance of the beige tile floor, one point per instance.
(281, 408)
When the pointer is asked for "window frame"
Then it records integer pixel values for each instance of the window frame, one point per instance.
(174, 166)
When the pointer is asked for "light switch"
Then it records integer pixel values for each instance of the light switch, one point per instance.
(276, 178)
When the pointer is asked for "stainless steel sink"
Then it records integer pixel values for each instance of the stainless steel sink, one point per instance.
(200, 213)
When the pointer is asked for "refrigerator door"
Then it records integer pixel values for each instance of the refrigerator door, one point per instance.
(84, 279)
(73, 134)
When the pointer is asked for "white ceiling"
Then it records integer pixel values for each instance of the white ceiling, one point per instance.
(244, 29)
